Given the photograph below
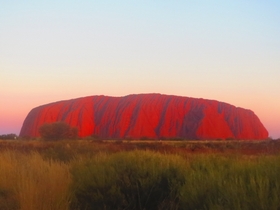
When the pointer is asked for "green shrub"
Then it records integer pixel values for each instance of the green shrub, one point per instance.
(129, 180)
(57, 131)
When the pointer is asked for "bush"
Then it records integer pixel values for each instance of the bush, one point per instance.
(57, 131)
(129, 180)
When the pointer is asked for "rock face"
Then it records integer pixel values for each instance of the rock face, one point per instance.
(152, 116)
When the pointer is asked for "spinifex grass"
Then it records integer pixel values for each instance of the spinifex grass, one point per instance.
(28, 182)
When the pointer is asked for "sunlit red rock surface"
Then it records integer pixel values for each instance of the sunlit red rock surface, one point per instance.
(152, 116)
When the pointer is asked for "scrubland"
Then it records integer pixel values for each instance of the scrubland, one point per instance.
(86, 174)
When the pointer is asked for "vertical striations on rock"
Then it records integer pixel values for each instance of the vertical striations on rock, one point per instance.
(152, 116)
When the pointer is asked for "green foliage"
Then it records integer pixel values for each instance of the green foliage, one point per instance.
(149, 180)
(57, 131)
(129, 180)
(217, 182)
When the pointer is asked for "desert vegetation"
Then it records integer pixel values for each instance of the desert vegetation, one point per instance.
(58, 131)
(86, 174)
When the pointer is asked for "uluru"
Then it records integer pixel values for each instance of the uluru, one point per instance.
(151, 116)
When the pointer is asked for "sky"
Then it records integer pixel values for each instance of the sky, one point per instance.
(57, 50)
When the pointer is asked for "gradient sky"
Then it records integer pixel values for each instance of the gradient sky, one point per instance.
(223, 50)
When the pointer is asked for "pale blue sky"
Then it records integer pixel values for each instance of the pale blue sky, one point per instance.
(223, 50)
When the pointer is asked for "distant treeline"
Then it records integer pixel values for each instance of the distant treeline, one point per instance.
(8, 136)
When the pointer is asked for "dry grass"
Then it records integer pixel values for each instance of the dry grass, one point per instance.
(28, 182)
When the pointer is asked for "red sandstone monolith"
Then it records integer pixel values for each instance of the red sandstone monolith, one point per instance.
(152, 116)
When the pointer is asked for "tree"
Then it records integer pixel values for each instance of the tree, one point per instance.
(57, 131)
